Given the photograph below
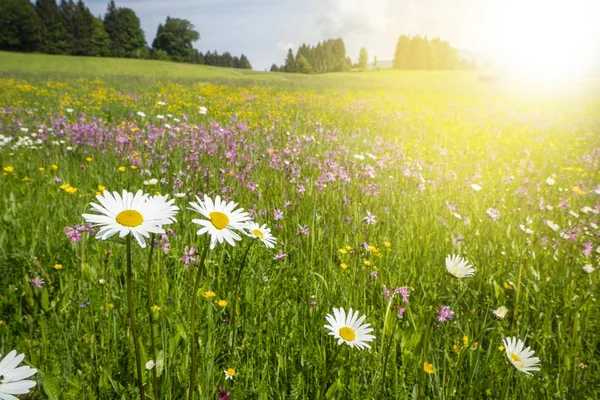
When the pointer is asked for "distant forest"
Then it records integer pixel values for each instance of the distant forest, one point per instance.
(411, 53)
(69, 28)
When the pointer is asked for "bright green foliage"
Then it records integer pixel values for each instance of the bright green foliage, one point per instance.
(176, 37)
(53, 32)
(100, 40)
(123, 27)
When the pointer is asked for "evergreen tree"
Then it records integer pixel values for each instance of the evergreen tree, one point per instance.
(52, 33)
(274, 68)
(227, 60)
(245, 63)
(236, 62)
(402, 52)
(176, 37)
(111, 26)
(83, 26)
(290, 62)
(100, 40)
(20, 27)
(363, 59)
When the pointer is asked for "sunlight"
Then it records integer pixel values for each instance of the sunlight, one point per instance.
(541, 39)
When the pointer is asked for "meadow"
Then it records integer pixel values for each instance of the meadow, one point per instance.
(368, 182)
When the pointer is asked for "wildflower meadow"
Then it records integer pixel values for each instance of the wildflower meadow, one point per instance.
(396, 235)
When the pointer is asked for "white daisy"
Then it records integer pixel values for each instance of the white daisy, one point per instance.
(222, 220)
(475, 187)
(261, 232)
(588, 269)
(229, 373)
(459, 267)
(348, 329)
(138, 215)
(500, 312)
(11, 377)
(519, 356)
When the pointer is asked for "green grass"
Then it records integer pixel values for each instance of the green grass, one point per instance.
(403, 145)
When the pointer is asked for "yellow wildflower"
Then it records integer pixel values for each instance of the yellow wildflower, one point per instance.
(427, 367)
(9, 169)
(58, 267)
(209, 294)
(122, 169)
(344, 265)
(222, 303)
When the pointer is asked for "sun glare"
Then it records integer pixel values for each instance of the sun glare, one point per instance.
(549, 39)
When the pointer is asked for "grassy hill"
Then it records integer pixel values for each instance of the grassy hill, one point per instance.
(141, 72)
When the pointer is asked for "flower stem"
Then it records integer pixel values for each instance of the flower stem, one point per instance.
(327, 369)
(152, 339)
(235, 300)
(136, 344)
(193, 324)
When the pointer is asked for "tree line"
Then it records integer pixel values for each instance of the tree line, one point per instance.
(411, 53)
(329, 56)
(420, 53)
(69, 28)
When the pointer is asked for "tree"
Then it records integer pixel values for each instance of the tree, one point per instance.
(100, 40)
(176, 37)
(363, 59)
(245, 63)
(20, 26)
(53, 36)
(126, 36)
(402, 50)
(82, 25)
(290, 62)
(302, 65)
(274, 68)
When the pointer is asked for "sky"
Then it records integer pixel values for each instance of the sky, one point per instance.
(263, 30)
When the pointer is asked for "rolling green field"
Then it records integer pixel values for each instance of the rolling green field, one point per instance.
(368, 181)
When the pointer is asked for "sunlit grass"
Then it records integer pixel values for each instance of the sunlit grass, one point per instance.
(315, 164)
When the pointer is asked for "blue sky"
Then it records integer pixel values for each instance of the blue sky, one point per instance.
(265, 29)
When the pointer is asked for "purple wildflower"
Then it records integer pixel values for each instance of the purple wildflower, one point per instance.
(445, 314)
(277, 215)
(303, 230)
(280, 256)
(404, 291)
(188, 256)
(37, 282)
(370, 219)
(401, 311)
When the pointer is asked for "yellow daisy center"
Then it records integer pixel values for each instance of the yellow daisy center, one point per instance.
(258, 234)
(347, 334)
(516, 358)
(219, 220)
(230, 372)
(130, 218)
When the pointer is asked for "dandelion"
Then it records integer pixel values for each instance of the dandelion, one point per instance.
(427, 367)
(500, 312)
(12, 378)
(138, 215)
(36, 282)
(444, 314)
(349, 329)
(261, 232)
(519, 356)
(459, 267)
(223, 220)
(229, 373)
